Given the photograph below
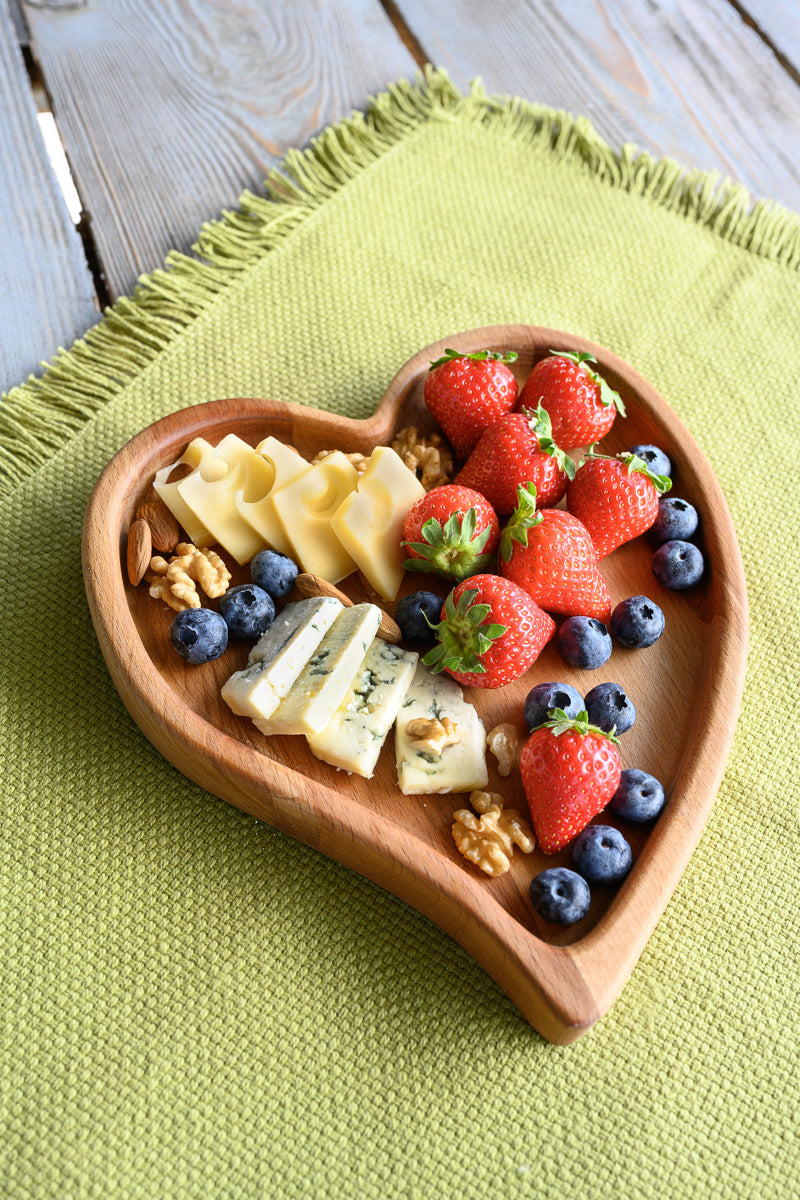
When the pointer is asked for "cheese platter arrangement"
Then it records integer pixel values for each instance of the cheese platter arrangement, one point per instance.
(416, 692)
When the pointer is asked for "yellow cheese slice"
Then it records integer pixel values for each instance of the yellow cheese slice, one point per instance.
(286, 464)
(198, 453)
(212, 500)
(304, 508)
(369, 522)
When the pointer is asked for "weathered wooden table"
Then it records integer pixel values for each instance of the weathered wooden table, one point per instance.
(168, 109)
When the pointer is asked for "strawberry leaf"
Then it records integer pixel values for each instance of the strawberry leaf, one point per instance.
(462, 638)
(662, 483)
(508, 356)
(523, 518)
(558, 722)
(607, 394)
(542, 427)
(454, 550)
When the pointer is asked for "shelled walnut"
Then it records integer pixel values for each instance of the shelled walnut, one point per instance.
(432, 735)
(489, 841)
(426, 454)
(502, 741)
(175, 581)
(359, 461)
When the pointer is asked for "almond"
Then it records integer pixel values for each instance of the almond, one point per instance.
(140, 549)
(309, 586)
(164, 528)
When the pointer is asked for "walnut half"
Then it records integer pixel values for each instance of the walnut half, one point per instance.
(503, 741)
(432, 735)
(489, 841)
(426, 454)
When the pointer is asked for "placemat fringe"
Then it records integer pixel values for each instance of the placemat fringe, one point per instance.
(39, 415)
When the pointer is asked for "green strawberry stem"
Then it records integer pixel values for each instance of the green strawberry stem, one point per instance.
(523, 518)
(607, 394)
(662, 483)
(508, 356)
(558, 722)
(453, 550)
(541, 425)
(462, 636)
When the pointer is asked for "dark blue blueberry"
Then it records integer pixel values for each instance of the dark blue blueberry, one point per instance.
(637, 622)
(410, 615)
(676, 519)
(560, 896)
(247, 611)
(544, 696)
(199, 635)
(273, 572)
(656, 459)
(601, 854)
(678, 565)
(585, 642)
(639, 797)
(608, 707)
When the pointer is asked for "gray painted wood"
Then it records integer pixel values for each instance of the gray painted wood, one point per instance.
(46, 291)
(170, 108)
(687, 79)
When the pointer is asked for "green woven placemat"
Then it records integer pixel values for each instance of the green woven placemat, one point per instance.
(193, 1005)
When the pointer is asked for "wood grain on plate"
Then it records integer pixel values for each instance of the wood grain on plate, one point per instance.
(686, 688)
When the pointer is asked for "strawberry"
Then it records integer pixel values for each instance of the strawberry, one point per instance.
(615, 498)
(517, 449)
(466, 393)
(451, 530)
(551, 555)
(581, 404)
(490, 633)
(570, 770)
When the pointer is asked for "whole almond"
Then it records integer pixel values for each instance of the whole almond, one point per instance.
(140, 549)
(164, 528)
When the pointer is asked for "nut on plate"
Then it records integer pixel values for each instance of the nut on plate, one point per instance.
(164, 529)
(175, 581)
(502, 741)
(489, 841)
(359, 461)
(426, 454)
(432, 735)
(139, 550)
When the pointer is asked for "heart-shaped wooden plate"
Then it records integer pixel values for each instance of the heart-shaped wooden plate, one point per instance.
(686, 688)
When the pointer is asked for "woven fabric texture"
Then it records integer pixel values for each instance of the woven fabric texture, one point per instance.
(194, 1005)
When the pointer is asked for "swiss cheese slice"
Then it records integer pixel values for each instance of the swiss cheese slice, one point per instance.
(286, 464)
(213, 501)
(304, 508)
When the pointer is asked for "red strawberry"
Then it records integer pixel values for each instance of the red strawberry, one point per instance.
(451, 530)
(581, 404)
(466, 393)
(570, 770)
(517, 449)
(550, 554)
(490, 633)
(615, 498)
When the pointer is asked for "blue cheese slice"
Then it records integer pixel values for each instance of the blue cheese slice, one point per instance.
(324, 680)
(459, 767)
(279, 656)
(353, 738)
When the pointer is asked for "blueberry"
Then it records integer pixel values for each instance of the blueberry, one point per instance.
(637, 622)
(199, 635)
(656, 459)
(247, 610)
(411, 612)
(639, 797)
(560, 895)
(585, 642)
(274, 573)
(601, 854)
(678, 565)
(544, 696)
(608, 707)
(676, 519)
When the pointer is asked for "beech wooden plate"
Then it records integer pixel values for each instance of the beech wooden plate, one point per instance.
(686, 689)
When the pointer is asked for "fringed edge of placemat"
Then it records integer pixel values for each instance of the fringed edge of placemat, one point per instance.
(37, 416)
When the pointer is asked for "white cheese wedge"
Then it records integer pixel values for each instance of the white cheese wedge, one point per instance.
(279, 656)
(369, 522)
(460, 767)
(199, 453)
(304, 508)
(324, 680)
(286, 464)
(353, 738)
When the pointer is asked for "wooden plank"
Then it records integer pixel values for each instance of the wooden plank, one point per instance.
(681, 78)
(170, 108)
(46, 293)
(778, 23)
